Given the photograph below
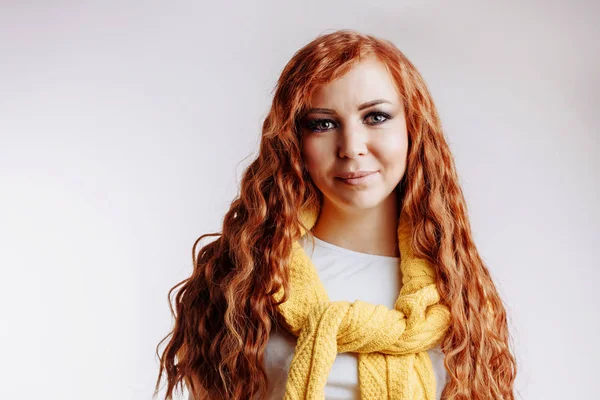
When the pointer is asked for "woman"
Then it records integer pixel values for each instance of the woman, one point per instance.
(346, 267)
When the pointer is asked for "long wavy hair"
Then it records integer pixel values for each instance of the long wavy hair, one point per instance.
(225, 310)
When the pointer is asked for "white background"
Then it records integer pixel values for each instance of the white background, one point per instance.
(124, 128)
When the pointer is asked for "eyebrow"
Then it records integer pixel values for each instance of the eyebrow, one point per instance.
(361, 107)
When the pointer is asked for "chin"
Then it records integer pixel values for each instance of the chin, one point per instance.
(359, 203)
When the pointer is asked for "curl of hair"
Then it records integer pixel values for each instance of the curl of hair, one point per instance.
(224, 311)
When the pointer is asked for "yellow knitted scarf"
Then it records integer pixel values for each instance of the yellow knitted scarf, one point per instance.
(392, 344)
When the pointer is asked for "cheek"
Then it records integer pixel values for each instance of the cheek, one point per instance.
(394, 148)
(395, 140)
(314, 154)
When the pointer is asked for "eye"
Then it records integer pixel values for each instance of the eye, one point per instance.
(379, 114)
(318, 125)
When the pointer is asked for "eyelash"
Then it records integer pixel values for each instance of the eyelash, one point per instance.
(312, 124)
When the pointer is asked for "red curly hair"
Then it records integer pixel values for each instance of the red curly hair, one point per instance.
(225, 310)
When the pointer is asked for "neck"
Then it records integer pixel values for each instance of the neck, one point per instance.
(370, 231)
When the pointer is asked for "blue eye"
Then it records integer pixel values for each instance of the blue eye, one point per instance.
(313, 125)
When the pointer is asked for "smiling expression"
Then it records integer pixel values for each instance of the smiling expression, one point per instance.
(356, 126)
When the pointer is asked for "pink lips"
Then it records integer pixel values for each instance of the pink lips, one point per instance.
(355, 174)
(356, 177)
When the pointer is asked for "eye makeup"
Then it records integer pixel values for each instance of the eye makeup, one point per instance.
(312, 124)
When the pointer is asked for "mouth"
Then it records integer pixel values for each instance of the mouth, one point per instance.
(357, 178)
(355, 174)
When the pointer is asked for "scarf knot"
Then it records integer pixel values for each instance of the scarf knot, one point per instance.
(392, 344)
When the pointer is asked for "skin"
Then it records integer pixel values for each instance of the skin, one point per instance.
(361, 218)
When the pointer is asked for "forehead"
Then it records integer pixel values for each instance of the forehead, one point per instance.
(366, 81)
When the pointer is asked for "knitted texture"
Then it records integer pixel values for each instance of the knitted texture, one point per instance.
(392, 344)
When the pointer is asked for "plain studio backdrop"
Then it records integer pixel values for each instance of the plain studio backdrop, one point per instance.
(125, 127)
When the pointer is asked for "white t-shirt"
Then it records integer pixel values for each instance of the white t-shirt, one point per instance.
(347, 275)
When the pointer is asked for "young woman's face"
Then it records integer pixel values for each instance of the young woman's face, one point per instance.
(340, 136)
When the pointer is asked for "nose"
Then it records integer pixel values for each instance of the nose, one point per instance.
(352, 143)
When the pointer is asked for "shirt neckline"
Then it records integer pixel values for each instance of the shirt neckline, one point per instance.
(343, 250)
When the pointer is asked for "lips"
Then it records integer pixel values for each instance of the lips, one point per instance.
(355, 174)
